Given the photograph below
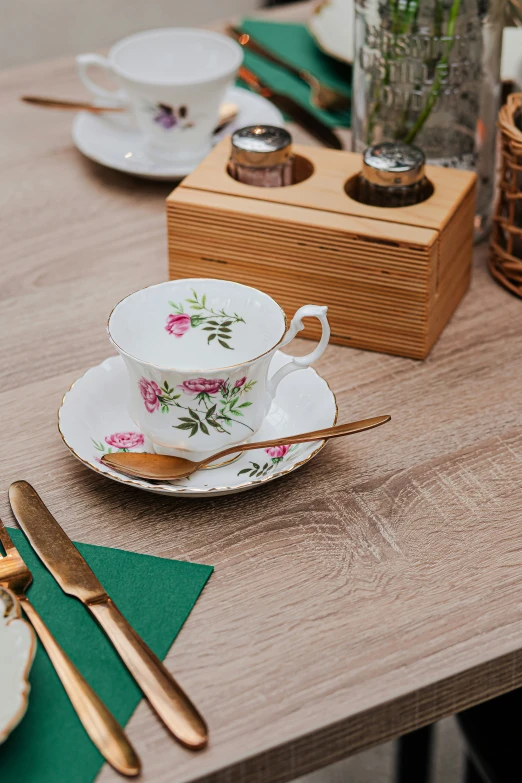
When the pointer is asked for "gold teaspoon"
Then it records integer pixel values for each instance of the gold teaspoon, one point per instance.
(56, 103)
(159, 467)
(227, 111)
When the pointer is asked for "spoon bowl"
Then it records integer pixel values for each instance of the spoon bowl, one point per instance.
(160, 467)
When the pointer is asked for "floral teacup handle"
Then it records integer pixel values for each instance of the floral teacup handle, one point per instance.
(301, 362)
(84, 62)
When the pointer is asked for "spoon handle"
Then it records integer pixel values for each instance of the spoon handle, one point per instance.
(330, 432)
(55, 103)
(227, 111)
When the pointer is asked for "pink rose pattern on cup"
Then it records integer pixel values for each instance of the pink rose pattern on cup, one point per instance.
(212, 403)
(217, 323)
(278, 455)
(202, 386)
(178, 324)
(121, 441)
(151, 393)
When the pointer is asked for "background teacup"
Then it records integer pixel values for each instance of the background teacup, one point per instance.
(174, 80)
(198, 353)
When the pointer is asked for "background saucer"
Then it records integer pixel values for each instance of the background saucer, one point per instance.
(113, 140)
(94, 410)
(331, 24)
(17, 649)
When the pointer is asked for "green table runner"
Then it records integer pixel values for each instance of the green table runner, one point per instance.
(294, 43)
(156, 595)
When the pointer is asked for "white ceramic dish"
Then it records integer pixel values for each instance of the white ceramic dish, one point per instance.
(113, 140)
(17, 649)
(511, 65)
(93, 419)
(332, 26)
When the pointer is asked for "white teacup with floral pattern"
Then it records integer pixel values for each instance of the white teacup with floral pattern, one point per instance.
(198, 354)
(174, 81)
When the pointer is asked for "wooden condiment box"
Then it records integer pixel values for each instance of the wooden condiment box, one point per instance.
(391, 277)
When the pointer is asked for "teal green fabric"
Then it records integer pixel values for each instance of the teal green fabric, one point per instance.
(156, 595)
(294, 43)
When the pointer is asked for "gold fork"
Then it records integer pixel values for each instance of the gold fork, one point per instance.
(99, 723)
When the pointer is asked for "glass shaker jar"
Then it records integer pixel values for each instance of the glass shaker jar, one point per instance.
(261, 155)
(393, 176)
(428, 72)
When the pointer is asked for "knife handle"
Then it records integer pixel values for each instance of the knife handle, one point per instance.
(98, 722)
(159, 686)
(247, 42)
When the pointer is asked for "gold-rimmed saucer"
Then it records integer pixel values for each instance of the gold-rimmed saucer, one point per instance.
(93, 420)
(17, 649)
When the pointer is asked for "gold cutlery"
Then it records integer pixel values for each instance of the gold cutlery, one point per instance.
(321, 95)
(99, 723)
(76, 578)
(56, 103)
(165, 468)
(294, 110)
(227, 111)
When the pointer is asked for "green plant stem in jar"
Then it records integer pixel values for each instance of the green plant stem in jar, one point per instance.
(404, 21)
(442, 67)
(428, 72)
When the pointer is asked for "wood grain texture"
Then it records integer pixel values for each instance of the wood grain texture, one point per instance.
(391, 278)
(374, 590)
(332, 169)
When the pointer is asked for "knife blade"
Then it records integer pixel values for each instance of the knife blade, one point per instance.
(316, 127)
(76, 578)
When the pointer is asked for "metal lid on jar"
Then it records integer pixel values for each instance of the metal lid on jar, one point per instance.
(261, 146)
(393, 164)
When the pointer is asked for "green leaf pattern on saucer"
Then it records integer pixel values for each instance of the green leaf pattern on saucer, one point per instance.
(276, 453)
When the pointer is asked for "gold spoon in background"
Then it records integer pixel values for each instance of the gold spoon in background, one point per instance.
(227, 111)
(57, 103)
(159, 467)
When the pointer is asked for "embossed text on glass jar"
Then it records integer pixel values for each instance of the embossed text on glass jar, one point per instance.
(427, 72)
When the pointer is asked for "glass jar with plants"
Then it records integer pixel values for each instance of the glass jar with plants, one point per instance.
(427, 72)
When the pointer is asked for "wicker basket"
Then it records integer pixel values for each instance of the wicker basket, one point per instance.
(505, 260)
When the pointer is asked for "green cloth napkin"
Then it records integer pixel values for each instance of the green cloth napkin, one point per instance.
(156, 595)
(294, 43)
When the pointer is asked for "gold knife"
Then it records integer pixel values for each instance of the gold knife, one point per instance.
(98, 722)
(289, 106)
(76, 578)
(321, 95)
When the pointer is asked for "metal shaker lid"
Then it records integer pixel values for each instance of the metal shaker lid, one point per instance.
(393, 164)
(261, 146)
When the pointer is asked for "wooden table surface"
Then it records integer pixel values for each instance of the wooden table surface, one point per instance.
(375, 590)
